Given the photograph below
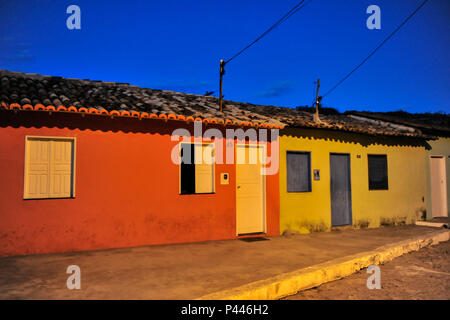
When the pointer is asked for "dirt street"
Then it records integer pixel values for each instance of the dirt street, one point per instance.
(424, 274)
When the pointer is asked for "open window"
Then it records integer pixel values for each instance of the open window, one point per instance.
(197, 168)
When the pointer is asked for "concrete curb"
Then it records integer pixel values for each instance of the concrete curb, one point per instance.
(290, 283)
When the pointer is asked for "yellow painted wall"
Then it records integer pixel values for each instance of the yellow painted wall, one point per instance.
(311, 211)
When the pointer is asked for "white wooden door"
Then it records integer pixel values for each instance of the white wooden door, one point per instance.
(438, 187)
(250, 216)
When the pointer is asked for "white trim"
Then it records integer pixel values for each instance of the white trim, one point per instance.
(445, 200)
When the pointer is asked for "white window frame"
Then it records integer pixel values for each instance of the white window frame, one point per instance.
(213, 168)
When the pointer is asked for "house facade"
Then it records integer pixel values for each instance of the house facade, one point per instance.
(86, 178)
(89, 165)
(438, 177)
(437, 156)
(346, 171)
(353, 180)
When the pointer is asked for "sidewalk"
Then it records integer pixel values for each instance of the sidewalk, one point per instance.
(187, 271)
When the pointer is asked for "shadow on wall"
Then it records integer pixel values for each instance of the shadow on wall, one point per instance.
(73, 121)
(353, 137)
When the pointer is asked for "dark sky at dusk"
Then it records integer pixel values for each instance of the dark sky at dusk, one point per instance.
(176, 45)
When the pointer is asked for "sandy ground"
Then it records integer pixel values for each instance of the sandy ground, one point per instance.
(423, 275)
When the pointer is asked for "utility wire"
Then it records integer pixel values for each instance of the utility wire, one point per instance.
(376, 49)
(289, 14)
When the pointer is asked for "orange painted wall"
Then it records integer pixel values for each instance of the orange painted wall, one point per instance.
(127, 189)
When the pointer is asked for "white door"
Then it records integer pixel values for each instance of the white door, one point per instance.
(438, 187)
(250, 217)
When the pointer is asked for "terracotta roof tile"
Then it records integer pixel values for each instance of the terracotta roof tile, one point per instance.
(18, 89)
(299, 118)
(34, 89)
(430, 123)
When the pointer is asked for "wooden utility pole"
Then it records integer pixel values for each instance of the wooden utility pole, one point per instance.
(222, 72)
(318, 98)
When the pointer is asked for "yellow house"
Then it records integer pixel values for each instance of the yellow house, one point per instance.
(437, 156)
(345, 170)
(340, 190)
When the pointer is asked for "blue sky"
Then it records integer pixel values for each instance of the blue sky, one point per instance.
(177, 45)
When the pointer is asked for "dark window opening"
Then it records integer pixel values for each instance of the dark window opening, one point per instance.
(378, 172)
(298, 168)
(187, 169)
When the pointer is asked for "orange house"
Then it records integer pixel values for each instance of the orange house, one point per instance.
(92, 165)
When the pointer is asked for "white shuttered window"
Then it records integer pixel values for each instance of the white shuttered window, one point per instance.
(49, 168)
(197, 168)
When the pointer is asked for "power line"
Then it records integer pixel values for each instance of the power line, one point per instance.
(376, 49)
(289, 14)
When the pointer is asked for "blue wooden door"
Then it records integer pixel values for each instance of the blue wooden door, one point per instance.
(340, 186)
